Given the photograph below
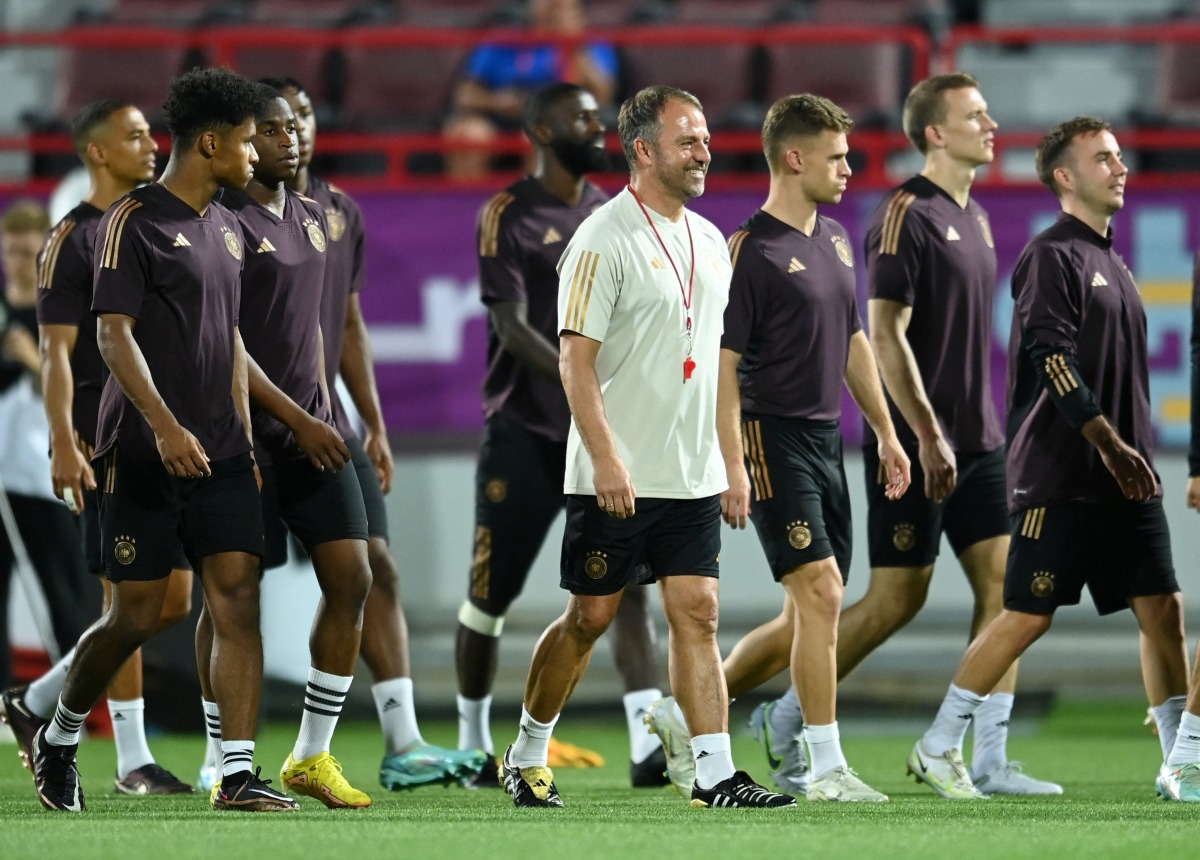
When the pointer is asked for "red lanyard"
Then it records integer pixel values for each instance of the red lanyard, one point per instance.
(686, 294)
(689, 365)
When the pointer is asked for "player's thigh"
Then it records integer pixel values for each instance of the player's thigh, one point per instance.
(372, 492)
(1050, 557)
(321, 506)
(1136, 561)
(977, 510)
(602, 554)
(223, 512)
(141, 516)
(904, 532)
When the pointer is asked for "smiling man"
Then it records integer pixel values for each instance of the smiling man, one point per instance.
(642, 289)
(1085, 502)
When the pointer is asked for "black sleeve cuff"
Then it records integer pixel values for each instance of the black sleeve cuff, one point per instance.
(1059, 375)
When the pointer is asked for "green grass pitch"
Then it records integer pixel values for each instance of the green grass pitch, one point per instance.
(1098, 750)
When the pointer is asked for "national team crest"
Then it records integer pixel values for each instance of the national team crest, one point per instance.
(595, 566)
(799, 535)
(124, 551)
(843, 251)
(986, 229)
(1043, 584)
(232, 244)
(337, 224)
(496, 490)
(315, 235)
(904, 537)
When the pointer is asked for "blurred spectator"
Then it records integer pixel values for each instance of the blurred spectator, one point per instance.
(499, 77)
(46, 527)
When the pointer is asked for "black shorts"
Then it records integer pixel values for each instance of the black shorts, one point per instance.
(908, 532)
(372, 492)
(146, 513)
(1118, 549)
(93, 545)
(801, 504)
(518, 493)
(315, 506)
(666, 537)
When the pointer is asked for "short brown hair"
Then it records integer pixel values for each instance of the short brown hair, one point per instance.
(25, 216)
(639, 118)
(803, 115)
(1052, 151)
(925, 105)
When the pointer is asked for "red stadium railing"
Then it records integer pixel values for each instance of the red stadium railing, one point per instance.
(394, 152)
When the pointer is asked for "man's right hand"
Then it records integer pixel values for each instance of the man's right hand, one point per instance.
(322, 445)
(1193, 493)
(70, 470)
(939, 466)
(182, 453)
(1130, 470)
(735, 502)
(614, 488)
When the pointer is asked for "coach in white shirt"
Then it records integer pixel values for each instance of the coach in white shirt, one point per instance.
(642, 291)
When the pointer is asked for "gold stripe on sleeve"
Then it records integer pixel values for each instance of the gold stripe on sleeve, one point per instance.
(116, 226)
(489, 224)
(587, 296)
(735, 246)
(581, 290)
(893, 222)
(49, 260)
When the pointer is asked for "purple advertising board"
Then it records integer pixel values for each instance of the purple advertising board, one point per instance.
(428, 327)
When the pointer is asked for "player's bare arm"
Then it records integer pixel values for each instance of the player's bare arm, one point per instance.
(358, 372)
(862, 381)
(898, 367)
(615, 492)
(181, 452)
(241, 394)
(735, 502)
(318, 440)
(69, 468)
(523, 341)
(1130, 470)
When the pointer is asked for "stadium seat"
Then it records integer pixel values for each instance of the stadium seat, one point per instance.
(306, 64)
(867, 80)
(721, 76)
(448, 13)
(407, 88)
(170, 12)
(744, 13)
(310, 13)
(139, 74)
(1177, 83)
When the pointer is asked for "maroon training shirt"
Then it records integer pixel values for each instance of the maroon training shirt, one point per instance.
(522, 233)
(791, 315)
(925, 251)
(178, 273)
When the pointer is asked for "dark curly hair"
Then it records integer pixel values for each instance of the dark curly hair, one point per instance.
(205, 99)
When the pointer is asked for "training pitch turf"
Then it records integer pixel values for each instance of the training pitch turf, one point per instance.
(1099, 751)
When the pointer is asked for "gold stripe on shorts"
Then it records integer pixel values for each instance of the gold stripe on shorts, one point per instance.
(1031, 526)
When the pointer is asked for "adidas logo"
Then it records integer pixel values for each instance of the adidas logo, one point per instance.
(796, 266)
(390, 704)
(952, 235)
(541, 783)
(181, 241)
(702, 754)
(551, 237)
(266, 247)
(118, 717)
(657, 264)
(1098, 281)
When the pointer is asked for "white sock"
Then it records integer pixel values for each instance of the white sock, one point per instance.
(787, 718)
(990, 752)
(323, 700)
(714, 761)
(212, 724)
(42, 695)
(474, 726)
(1167, 716)
(129, 732)
(236, 757)
(532, 746)
(953, 717)
(65, 726)
(1187, 741)
(642, 744)
(397, 716)
(824, 749)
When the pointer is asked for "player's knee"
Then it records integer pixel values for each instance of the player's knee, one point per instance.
(385, 575)
(588, 618)
(475, 619)
(698, 616)
(1160, 617)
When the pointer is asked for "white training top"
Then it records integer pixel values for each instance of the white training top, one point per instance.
(617, 286)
